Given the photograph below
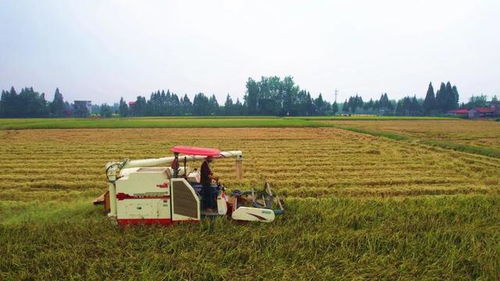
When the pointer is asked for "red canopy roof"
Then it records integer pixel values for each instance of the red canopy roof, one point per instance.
(193, 150)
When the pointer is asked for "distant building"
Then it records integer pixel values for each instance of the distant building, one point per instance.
(496, 109)
(477, 112)
(462, 112)
(481, 112)
(82, 108)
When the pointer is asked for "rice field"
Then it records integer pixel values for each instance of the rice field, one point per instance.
(481, 133)
(312, 162)
(358, 207)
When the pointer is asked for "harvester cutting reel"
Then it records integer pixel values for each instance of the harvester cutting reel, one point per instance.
(264, 199)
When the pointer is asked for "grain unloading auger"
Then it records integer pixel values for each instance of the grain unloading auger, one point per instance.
(166, 191)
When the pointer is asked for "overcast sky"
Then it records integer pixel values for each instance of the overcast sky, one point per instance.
(102, 50)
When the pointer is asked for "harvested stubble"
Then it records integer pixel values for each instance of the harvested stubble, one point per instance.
(398, 210)
(310, 162)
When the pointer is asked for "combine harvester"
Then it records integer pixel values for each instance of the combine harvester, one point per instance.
(166, 191)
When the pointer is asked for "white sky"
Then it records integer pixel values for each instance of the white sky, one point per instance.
(102, 50)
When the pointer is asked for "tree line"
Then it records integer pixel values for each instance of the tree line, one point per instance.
(29, 103)
(267, 96)
(435, 103)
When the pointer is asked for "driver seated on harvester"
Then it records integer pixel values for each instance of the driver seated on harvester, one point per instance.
(208, 190)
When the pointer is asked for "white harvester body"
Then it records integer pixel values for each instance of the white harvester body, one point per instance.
(148, 192)
(150, 202)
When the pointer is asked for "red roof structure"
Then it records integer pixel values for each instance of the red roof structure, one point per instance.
(193, 150)
(459, 111)
(483, 109)
(131, 103)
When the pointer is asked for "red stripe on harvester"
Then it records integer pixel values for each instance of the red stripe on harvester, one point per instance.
(144, 221)
(257, 216)
(123, 196)
(163, 185)
(153, 221)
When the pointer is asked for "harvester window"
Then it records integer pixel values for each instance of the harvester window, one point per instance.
(185, 201)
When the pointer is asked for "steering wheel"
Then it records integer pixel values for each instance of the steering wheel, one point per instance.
(236, 193)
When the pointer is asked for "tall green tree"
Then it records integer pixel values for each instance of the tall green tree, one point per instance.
(494, 99)
(201, 105)
(345, 107)
(123, 108)
(441, 98)
(33, 103)
(228, 106)
(322, 107)
(450, 99)
(384, 105)
(213, 105)
(186, 105)
(455, 96)
(239, 108)
(367, 106)
(252, 96)
(105, 111)
(138, 107)
(335, 108)
(309, 105)
(354, 103)
(28, 103)
(430, 100)
(57, 105)
(446, 97)
(289, 96)
(477, 101)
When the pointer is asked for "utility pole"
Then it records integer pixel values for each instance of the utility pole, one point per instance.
(336, 92)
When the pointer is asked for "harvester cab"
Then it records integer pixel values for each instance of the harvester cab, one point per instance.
(167, 191)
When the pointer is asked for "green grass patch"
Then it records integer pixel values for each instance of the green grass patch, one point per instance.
(486, 151)
(188, 122)
(208, 117)
(375, 133)
(153, 122)
(424, 238)
(373, 117)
